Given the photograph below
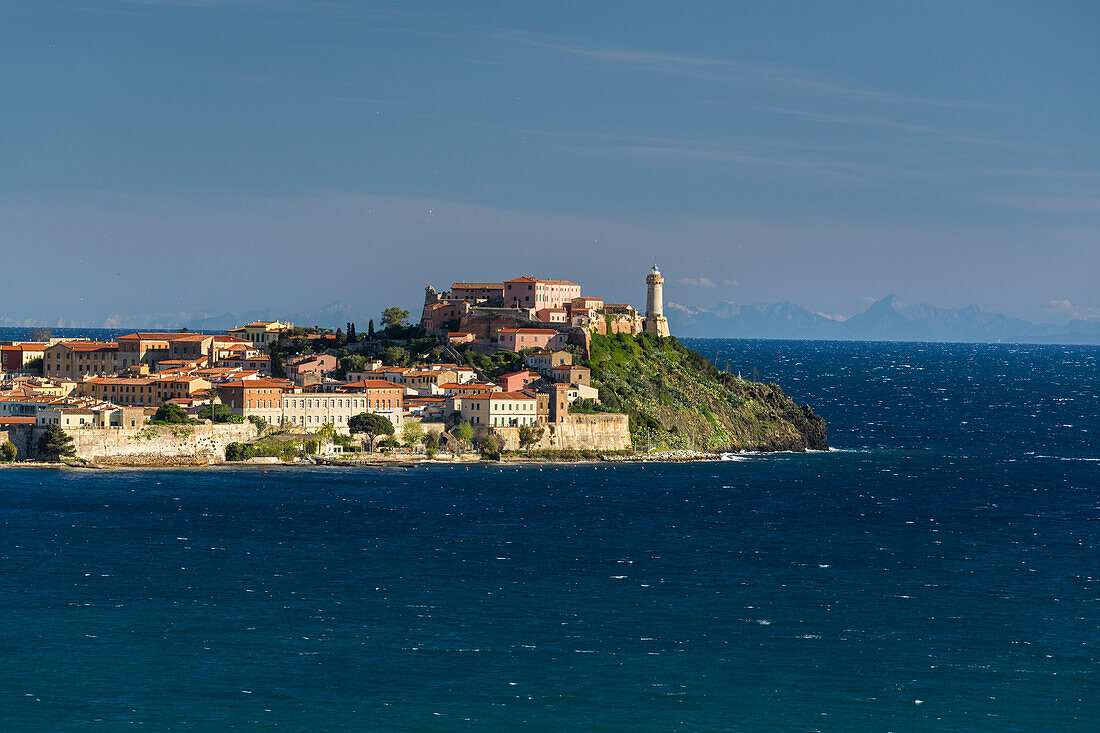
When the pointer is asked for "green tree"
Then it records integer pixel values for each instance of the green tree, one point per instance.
(354, 363)
(463, 434)
(219, 414)
(8, 451)
(370, 425)
(412, 434)
(431, 444)
(170, 413)
(394, 317)
(239, 452)
(370, 330)
(55, 444)
(529, 435)
(489, 447)
(327, 432)
(259, 422)
(394, 356)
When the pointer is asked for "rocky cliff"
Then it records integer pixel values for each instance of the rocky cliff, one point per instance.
(675, 398)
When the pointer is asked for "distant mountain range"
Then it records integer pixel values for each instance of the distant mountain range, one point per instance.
(888, 319)
(332, 315)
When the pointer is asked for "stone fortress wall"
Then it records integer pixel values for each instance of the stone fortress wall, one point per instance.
(157, 444)
(601, 432)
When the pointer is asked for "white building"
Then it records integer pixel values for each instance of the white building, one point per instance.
(499, 409)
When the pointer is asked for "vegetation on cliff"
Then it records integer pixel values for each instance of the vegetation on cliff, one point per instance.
(675, 398)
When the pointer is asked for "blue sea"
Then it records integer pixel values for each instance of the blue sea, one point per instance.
(939, 570)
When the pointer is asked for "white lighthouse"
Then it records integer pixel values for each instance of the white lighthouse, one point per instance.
(655, 321)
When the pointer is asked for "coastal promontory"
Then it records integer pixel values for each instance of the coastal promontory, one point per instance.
(676, 398)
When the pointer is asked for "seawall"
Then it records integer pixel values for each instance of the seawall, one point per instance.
(157, 445)
(600, 432)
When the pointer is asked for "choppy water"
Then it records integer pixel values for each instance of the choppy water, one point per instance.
(938, 572)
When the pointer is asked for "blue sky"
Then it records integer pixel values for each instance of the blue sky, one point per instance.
(174, 157)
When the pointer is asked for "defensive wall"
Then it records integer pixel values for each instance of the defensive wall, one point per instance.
(156, 445)
(599, 432)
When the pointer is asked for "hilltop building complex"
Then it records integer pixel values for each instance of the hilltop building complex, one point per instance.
(118, 385)
(529, 312)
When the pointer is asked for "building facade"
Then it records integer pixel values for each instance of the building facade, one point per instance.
(543, 360)
(500, 409)
(530, 292)
(518, 339)
(260, 333)
(75, 359)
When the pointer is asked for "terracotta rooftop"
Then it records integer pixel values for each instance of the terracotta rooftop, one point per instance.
(255, 384)
(89, 345)
(27, 346)
(120, 380)
(154, 335)
(371, 384)
(533, 279)
(527, 330)
(44, 400)
(500, 396)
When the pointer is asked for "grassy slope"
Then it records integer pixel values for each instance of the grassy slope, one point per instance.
(678, 399)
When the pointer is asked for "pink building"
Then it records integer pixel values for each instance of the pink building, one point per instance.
(315, 364)
(516, 381)
(437, 316)
(552, 315)
(517, 339)
(530, 292)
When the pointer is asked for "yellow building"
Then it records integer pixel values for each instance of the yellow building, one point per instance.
(260, 333)
(75, 359)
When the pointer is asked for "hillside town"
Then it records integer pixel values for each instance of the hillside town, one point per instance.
(488, 363)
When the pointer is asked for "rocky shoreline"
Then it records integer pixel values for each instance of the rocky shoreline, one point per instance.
(378, 461)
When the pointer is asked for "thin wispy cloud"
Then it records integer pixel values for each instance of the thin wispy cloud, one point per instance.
(771, 160)
(885, 124)
(697, 282)
(723, 69)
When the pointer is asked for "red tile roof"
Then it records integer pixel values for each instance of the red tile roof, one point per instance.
(254, 384)
(533, 279)
(372, 384)
(500, 396)
(89, 345)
